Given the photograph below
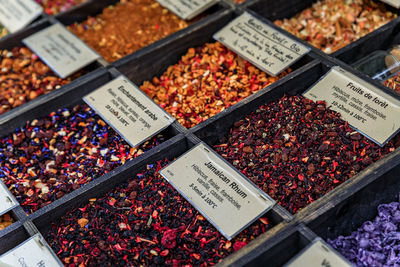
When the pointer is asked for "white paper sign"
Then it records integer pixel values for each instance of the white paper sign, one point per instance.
(364, 106)
(61, 50)
(225, 197)
(187, 9)
(16, 14)
(259, 43)
(7, 200)
(128, 110)
(34, 252)
(393, 3)
(318, 254)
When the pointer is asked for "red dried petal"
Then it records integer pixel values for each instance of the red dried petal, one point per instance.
(169, 239)
(238, 245)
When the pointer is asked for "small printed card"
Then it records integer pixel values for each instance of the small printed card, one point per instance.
(33, 252)
(262, 45)
(393, 3)
(187, 9)
(318, 254)
(61, 50)
(364, 106)
(218, 191)
(128, 110)
(17, 14)
(7, 200)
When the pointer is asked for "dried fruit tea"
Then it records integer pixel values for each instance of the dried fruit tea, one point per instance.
(24, 77)
(206, 80)
(56, 154)
(297, 150)
(143, 222)
(332, 24)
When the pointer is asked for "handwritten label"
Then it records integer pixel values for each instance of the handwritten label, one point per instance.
(7, 200)
(262, 45)
(16, 14)
(187, 9)
(318, 254)
(33, 252)
(393, 3)
(128, 110)
(365, 107)
(225, 197)
(61, 50)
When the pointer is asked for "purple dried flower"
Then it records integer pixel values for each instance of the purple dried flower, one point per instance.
(375, 243)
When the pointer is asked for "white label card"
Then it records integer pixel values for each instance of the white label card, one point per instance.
(7, 200)
(262, 45)
(16, 14)
(225, 197)
(187, 9)
(34, 252)
(61, 50)
(318, 254)
(393, 3)
(128, 110)
(364, 106)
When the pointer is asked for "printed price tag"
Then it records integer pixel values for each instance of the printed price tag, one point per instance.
(318, 254)
(16, 14)
(7, 200)
(128, 110)
(393, 3)
(225, 197)
(262, 45)
(187, 9)
(365, 107)
(61, 50)
(33, 252)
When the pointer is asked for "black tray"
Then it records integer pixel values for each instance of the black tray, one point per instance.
(65, 97)
(93, 8)
(382, 39)
(77, 14)
(352, 202)
(218, 126)
(358, 202)
(283, 247)
(345, 210)
(15, 40)
(40, 221)
(139, 67)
